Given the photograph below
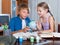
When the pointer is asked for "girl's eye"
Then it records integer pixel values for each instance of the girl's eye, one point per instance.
(39, 11)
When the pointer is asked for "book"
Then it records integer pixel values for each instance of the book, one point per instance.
(43, 35)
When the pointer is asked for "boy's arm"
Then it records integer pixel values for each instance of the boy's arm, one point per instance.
(23, 30)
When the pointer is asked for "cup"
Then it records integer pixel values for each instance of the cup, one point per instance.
(31, 39)
(20, 39)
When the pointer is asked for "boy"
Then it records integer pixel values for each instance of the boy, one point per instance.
(20, 23)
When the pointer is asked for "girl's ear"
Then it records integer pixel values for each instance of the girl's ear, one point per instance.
(46, 10)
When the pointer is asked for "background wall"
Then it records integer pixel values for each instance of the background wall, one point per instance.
(0, 6)
(54, 8)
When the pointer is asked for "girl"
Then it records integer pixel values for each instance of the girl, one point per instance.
(46, 21)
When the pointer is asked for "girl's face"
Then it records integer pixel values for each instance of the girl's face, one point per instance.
(41, 11)
(23, 13)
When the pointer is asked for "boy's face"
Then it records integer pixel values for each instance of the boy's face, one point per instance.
(23, 13)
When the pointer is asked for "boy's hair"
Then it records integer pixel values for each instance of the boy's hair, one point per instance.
(23, 6)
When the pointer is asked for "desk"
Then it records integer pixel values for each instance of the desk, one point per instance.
(52, 36)
(54, 41)
(42, 42)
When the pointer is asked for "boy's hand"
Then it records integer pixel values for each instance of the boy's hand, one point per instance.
(26, 29)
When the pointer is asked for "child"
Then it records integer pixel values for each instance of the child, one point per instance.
(20, 23)
(46, 21)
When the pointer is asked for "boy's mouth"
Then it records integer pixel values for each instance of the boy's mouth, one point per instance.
(24, 16)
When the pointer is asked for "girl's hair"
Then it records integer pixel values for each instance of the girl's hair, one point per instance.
(45, 6)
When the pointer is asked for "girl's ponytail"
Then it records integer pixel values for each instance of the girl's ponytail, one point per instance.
(51, 14)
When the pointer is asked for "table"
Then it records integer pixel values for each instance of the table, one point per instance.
(42, 42)
(53, 41)
(52, 36)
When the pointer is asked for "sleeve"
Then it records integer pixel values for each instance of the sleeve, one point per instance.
(11, 25)
(29, 20)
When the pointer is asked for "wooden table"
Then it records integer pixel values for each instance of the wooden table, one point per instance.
(27, 42)
(54, 41)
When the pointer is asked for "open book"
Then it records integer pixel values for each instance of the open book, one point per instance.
(29, 34)
(25, 35)
(48, 35)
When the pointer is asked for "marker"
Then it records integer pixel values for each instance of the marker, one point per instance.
(32, 39)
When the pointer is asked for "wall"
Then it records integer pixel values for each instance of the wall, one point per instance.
(33, 9)
(58, 15)
(0, 6)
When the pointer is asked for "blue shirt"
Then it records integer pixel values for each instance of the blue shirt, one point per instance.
(16, 23)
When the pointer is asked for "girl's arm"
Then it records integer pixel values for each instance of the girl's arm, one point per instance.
(51, 21)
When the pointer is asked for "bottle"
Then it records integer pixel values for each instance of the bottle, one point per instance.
(6, 30)
(37, 39)
(5, 26)
(20, 39)
(32, 39)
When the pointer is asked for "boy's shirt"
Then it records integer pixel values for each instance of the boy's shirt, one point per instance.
(23, 23)
(16, 23)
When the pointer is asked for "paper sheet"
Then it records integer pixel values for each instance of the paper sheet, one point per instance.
(26, 35)
(56, 34)
(46, 35)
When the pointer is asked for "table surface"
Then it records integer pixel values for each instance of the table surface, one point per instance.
(48, 41)
(42, 42)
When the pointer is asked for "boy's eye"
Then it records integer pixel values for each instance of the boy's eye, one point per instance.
(23, 12)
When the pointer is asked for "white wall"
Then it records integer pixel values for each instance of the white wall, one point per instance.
(58, 15)
(54, 8)
(0, 6)
(33, 12)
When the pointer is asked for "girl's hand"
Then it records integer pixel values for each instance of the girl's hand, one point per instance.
(38, 25)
